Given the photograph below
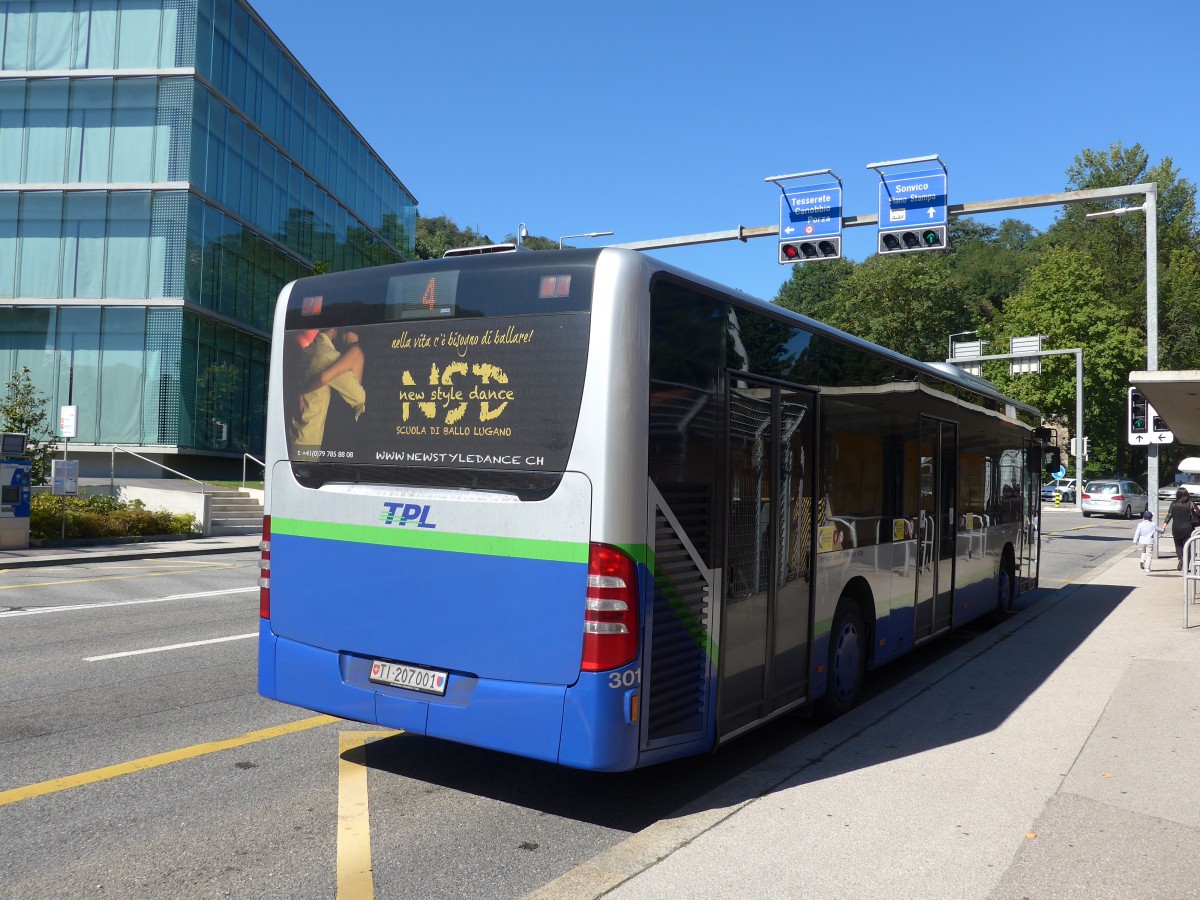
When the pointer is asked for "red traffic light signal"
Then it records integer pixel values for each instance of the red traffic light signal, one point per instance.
(810, 249)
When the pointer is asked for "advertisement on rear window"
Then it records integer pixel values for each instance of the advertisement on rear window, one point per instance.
(496, 393)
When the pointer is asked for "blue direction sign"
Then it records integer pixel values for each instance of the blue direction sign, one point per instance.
(912, 200)
(810, 212)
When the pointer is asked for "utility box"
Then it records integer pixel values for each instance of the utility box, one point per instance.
(15, 476)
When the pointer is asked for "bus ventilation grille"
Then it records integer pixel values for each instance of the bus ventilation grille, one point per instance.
(679, 644)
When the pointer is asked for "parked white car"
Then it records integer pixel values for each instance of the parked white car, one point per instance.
(1113, 497)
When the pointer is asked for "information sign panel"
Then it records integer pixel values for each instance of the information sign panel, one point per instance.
(810, 212)
(913, 200)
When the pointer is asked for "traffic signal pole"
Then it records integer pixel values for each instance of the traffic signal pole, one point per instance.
(1081, 457)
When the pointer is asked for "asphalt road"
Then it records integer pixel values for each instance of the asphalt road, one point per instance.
(137, 760)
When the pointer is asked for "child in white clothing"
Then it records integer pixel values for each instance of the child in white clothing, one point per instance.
(1143, 536)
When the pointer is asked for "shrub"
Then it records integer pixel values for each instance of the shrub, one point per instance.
(100, 516)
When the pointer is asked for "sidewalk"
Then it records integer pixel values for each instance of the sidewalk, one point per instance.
(54, 556)
(1058, 755)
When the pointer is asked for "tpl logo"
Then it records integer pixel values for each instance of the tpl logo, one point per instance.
(404, 513)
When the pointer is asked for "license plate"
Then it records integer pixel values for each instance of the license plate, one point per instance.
(414, 678)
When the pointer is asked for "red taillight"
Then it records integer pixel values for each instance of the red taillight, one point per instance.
(610, 633)
(1118, 498)
(264, 571)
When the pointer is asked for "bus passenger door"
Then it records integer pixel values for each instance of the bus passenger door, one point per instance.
(768, 577)
(936, 527)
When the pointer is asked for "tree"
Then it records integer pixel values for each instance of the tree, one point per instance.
(1065, 300)
(24, 411)
(909, 303)
(810, 287)
(436, 235)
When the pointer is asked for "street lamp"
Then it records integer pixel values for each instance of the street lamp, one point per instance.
(1150, 208)
(587, 234)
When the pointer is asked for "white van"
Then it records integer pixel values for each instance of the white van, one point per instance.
(1188, 477)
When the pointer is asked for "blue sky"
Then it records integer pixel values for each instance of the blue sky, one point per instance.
(659, 119)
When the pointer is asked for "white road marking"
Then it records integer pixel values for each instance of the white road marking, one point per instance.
(220, 640)
(53, 609)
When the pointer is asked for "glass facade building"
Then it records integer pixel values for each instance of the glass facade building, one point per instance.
(166, 166)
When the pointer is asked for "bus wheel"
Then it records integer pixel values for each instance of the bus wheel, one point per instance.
(847, 661)
(1006, 586)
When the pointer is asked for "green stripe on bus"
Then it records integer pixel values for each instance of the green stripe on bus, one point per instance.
(428, 539)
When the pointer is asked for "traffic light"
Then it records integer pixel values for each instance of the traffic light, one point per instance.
(910, 241)
(1138, 423)
(813, 248)
(1073, 453)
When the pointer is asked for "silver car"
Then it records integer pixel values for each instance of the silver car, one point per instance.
(1113, 497)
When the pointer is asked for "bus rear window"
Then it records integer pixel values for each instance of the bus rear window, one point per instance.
(494, 394)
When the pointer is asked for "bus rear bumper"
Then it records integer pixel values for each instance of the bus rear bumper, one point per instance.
(519, 718)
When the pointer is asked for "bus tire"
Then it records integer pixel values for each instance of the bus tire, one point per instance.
(1006, 585)
(847, 663)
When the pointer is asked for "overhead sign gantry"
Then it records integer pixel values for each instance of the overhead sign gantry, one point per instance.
(913, 213)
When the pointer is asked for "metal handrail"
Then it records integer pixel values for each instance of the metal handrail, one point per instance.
(246, 456)
(1191, 575)
(112, 469)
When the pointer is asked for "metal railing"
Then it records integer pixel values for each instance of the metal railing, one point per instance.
(1191, 577)
(246, 456)
(112, 469)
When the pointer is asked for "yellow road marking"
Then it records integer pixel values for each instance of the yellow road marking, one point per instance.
(355, 880)
(42, 788)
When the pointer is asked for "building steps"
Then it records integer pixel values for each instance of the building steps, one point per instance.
(233, 512)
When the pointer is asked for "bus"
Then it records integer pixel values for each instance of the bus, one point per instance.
(585, 507)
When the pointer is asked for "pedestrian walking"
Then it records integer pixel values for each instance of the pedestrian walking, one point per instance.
(1143, 536)
(1183, 516)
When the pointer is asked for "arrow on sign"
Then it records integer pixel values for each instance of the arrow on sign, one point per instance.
(788, 230)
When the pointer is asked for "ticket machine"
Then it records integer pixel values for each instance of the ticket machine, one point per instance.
(15, 480)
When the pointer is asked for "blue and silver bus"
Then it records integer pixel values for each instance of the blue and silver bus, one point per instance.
(588, 508)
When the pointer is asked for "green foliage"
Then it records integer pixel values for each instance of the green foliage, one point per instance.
(1065, 300)
(909, 303)
(436, 235)
(24, 410)
(101, 516)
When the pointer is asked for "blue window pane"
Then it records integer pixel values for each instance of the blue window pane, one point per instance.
(137, 38)
(122, 362)
(46, 150)
(33, 341)
(12, 129)
(79, 366)
(83, 244)
(52, 34)
(127, 262)
(16, 36)
(100, 48)
(90, 143)
(8, 243)
(133, 129)
(40, 237)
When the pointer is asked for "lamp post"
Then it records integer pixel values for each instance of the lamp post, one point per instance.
(566, 237)
(1150, 208)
